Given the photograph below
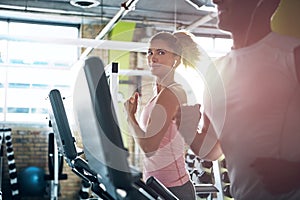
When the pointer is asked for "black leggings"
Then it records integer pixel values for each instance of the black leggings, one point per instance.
(184, 192)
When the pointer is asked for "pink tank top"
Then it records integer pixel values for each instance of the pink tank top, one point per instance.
(168, 163)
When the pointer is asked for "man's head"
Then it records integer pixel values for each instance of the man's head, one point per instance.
(238, 15)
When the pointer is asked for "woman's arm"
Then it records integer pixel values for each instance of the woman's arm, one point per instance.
(204, 142)
(159, 121)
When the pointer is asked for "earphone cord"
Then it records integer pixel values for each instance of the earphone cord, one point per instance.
(251, 22)
(167, 75)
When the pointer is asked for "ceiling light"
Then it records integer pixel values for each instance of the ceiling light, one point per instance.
(85, 3)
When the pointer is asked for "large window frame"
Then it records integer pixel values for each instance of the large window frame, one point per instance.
(28, 71)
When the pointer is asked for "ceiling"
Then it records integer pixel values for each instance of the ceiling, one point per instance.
(165, 15)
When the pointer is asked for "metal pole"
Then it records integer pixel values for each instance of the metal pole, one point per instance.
(125, 8)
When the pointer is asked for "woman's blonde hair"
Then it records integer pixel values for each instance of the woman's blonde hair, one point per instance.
(183, 44)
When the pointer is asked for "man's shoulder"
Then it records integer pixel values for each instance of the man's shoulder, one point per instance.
(284, 41)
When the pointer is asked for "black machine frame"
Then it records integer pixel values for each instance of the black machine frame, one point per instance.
(106, 167)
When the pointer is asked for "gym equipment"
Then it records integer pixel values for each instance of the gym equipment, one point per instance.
(223, 163)
(190, 163)
(55, 166)
(107, 168)
(5, 135)
(205, 177)
(225, 177)
(203, 180)
(203, 195)
(226, 191)
(85, 189)
(32, 181)
(206, 164)
(1, 162)
(157, 186)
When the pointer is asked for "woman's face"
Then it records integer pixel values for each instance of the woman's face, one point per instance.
(160, 57)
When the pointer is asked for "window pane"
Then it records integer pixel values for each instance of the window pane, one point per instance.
(2, 92)
(42, 54)
(3, 44)
(223, 44)
(28, 89)
(3, 27)
(34, 69)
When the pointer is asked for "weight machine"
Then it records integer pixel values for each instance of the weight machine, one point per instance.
(55, 166)
(104, 164)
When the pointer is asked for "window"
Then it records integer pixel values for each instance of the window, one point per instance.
(215, 47)
(28, 71)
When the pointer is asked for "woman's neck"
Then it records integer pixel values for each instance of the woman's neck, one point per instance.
(160, 85)
(165, 81)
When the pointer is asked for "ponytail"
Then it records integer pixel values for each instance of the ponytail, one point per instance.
(190, 53)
